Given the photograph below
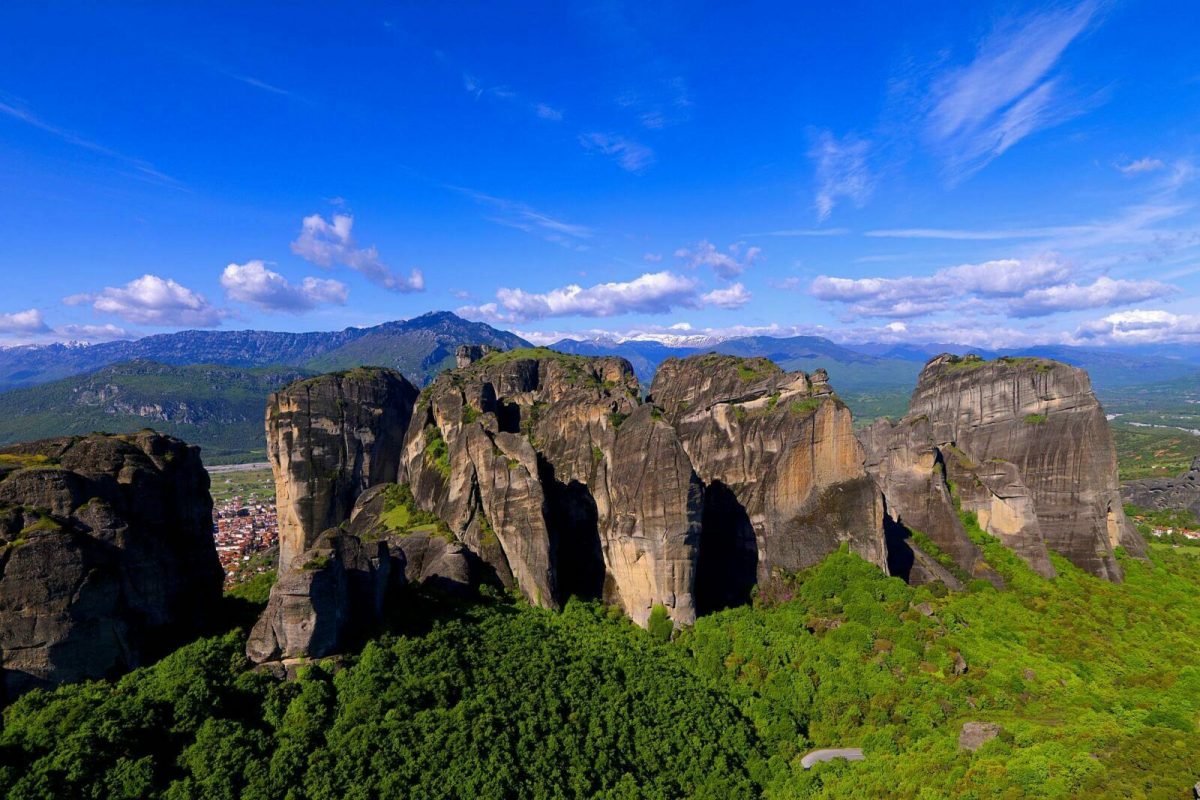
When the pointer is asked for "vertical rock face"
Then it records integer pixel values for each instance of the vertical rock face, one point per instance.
(650, 528)
(106, 555)
(510, 453)
(1025, 443)
(328, 599)
(783, 472)
(330, 438)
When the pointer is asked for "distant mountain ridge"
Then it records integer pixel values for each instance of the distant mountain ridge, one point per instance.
(420, 347)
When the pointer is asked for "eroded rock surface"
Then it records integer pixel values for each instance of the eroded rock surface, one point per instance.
(106, 555)
(783, 472)
(1024, 444)
(329, 439)
(1166, 493)
(327, 600)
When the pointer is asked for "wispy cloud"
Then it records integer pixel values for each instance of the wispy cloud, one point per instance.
(632, 156)
(1141, 165)
(260, 84)
(144, 169)
(515, 214)
(327, 244)
(151, 300)
(841, 172)
(253, 283)
(650, 293)
(728, 263)
(801, 232)
(1007, 92)
(547, 112)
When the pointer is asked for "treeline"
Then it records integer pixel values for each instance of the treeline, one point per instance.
(1095, 687)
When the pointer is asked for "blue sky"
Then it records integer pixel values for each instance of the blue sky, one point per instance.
(987, 174)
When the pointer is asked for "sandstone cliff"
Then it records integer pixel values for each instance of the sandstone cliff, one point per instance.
(782, 470)
(330, 438)
(106, 555)
(1024, 444)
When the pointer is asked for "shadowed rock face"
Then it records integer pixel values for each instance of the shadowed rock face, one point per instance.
(106, 555)
(330, 438)
(1026, 445)
(783, 471)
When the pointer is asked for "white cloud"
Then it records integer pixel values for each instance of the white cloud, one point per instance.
(651, 293)
(734, 296)
(1103, 293)
(23, 322)
(93, 333)
(151, 300)
(632, 156)
(652, 258)
(841, 172)
(1141, 326)
(547, 112)
(1006, 93)
(1141, 165)
(253, 283)
(1020, 287)
(327, 244)
(727, 264)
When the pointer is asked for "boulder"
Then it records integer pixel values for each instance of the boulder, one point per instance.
(106, 556)
(975, 735)
(329, 439)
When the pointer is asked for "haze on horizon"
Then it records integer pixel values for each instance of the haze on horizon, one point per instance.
(1000, 174)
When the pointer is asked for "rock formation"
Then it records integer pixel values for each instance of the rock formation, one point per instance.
(1022, 443)
(106, 555)
(547, 472)
(1166, 493)
(328, 599)
(329, 439)
(783, 472)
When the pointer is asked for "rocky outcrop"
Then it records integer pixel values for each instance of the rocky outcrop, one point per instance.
(509, 452)
(106, 555)
(327, 600)
(468, 354)
(329, 439)
(1020, 442)
(547, 472)
(1161, 494)
(975, 735)
(783, 473)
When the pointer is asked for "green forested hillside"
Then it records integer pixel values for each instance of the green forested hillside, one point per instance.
(1095, 687)
(217, 407)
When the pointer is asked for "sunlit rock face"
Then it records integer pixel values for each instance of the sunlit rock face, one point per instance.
(783, 473)
(1024, 444)
(329, 439)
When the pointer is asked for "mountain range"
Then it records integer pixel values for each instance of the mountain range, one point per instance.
(209, 386)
